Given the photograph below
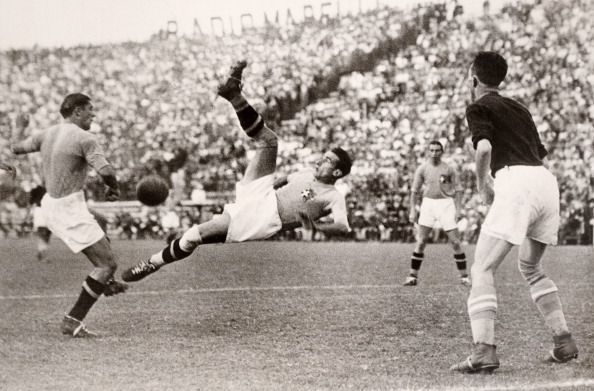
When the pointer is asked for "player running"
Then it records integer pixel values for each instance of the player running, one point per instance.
(525, 213)
(440, 204)
(263, 206)
(67, 150)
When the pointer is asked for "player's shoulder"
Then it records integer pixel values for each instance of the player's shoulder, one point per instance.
(483, 103)
(422, 167)
(305, 172)
(80, 135)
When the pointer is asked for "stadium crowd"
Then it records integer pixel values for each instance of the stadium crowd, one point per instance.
(382, 84)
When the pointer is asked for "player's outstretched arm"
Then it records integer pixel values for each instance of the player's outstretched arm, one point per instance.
(19, 144)
(280, 182)
(331, 228)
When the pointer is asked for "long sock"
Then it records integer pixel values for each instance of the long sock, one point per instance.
(482, 309)
(91, 290)
(461, 264)
(545, 296)
(178, 249)
(249, 119)
(415, 263)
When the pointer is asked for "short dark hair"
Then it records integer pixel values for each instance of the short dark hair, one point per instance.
(344, 160)
(438, 143)
(71, 102)
(490, 68)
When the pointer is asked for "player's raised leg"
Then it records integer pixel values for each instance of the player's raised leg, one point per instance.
(264, 161)
(99, 281)
(482, 304)
(544, 293)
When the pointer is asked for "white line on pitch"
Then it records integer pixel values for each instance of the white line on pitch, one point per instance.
(214, 290)
(246, 289)
(527, 387)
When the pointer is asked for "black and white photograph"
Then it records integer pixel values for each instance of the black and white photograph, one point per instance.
(296, 195)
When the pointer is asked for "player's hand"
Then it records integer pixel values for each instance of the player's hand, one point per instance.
(487, 193)
(412, 216)
(112, 194)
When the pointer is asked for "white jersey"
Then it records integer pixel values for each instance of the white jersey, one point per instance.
(304, 193)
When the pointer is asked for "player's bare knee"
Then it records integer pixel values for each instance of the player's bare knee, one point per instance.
(421, 244)
(530, 271)
(191, 239)
(103, 273)
(457, 246)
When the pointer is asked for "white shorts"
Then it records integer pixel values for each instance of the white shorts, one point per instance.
(438, 213)
(254, 215)
(38, 218)
(526, 205)
(69, 219)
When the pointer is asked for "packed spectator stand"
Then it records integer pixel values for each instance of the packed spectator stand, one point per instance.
(382, 84)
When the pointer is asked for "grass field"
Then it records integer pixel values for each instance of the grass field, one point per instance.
(282, 316)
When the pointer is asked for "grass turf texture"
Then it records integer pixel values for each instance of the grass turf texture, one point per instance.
(274, 315)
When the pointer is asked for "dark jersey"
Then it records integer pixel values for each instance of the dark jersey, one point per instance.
(509, 127)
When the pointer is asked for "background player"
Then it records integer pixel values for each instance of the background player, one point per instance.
(525, 212)
(39, 225)
(440, 185)
(263, 206)
(67, 149)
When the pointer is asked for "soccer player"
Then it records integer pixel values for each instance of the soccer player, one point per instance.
(263, 205)
(67, 150)
(524, 212)
(438, 206)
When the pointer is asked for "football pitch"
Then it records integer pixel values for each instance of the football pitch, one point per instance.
(282, 316)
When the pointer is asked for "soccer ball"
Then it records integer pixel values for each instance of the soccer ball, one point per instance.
(152, 190)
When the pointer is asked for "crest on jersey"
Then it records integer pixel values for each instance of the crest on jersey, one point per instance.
(445, 179)
(307, 194)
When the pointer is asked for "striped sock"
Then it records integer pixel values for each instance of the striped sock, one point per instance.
(249, 119)
(461, 264)
(91, 290)
(415, 263)
(545, 296)
(172, 253)
(482, 309)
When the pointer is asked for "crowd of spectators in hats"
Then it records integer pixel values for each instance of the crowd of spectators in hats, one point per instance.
(382, 84)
